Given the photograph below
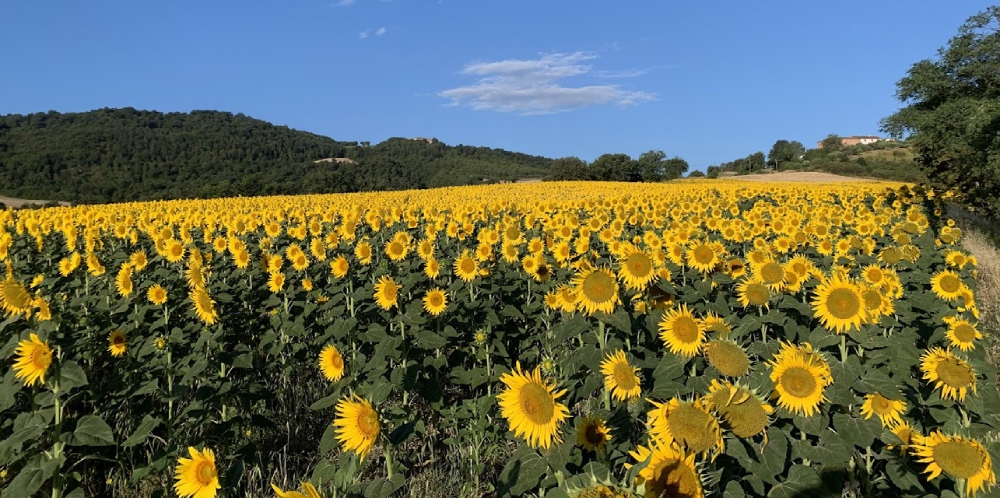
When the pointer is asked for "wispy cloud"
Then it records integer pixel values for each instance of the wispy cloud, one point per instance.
(380, 32)
(363, 34)
(345, 3)
(631, 73)
(534, 86)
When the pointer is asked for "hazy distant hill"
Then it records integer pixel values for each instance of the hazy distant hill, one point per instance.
(113, 155)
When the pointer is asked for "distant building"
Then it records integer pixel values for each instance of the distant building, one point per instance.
(338, 160)
(854, 140)
(422, 139)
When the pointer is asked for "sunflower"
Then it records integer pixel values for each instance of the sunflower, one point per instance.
(466, 267)
(197, 476)
(432, 268)
(116, 343)
(727, 357)
(962, 333)
(44, 312)
(962, 458)
(530, 407)
(799, 378)
(715, 323)
(339, 267)
(596, 290)
(386, 293)
(204, 306)
(839, 305)
(33, 360)
(888, 410)
(123, 281)
(14, 297)
(276, 282)
(667, 472)
(157, 294)
(242, 259)
(139, 260)
(331, 363)
(308, 491)
(703, 257)
(620, 377)
(735, 268)
(907, 434)
(357, 425)
(592, 434)
(752, 291)
(300, 262)
(771, 274)
(435, 301)
(363, 251)
(947, 285)
(745, 413)
(949, 373)
(682, 333)
(396, 249)
(689, 424)
(877, 304)
(636, 270)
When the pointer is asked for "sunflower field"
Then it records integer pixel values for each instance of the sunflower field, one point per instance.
(705, 338)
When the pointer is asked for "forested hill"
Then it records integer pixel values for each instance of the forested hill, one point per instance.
(115, 155)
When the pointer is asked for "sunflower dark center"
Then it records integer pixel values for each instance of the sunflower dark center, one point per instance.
(757, 294)
(368, 422)
(965, 332)
(624, 376)
(639, 265)
(599, 287)
(692, 427)
(772, 273)
(205, 472)
(704, 254)
(593, 434)
(686, 329)
(950, 284)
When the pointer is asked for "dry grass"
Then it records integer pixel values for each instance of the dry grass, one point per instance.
(978, 243)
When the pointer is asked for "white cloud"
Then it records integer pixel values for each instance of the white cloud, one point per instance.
(346, 3)
(363, 34)
(533, 86)
(380, 32)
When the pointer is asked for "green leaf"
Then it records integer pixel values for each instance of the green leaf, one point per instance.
(92, 430)
(522, 473)
(385, 487)
(71, 376)
(28, 481)
(9, 387)
(619, 320)
(145, 428)
(856, 431)
(800, 481)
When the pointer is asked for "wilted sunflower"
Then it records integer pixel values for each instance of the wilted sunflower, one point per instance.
(435, 301)
(357, 425)
(799, 379)
(157, 294)
(33, 360)
(14, 297)
(839, 305)
(962, 333)
(620, 377)
(962, 458)
(947, 285)
(116, 343)
(197, 476)
(752, 291)
(888, 410)
(331, 363)
(682, 333)
(949, 373)
(308, 491)
(689, 424)
(745, 413)
(596, 290)
(727, 357)
(637, 269)
(204, 306)
(530, 407)
(387, 293)
(591, 433)
(668, 472)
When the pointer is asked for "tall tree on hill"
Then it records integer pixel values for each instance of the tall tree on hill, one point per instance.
(784, 151)
(952, 113)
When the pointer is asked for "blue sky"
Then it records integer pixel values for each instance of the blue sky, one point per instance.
(708, 81)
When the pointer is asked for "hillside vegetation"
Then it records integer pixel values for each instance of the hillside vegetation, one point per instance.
(115, 155)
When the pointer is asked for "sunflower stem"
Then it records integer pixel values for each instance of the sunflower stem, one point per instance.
(57, 445)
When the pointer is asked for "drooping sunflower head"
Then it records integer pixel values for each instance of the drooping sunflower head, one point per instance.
(116, 343)
(357, 425)
(961, 458)
(682, 333)
(591, 433)
(339, 267)
(727, 357)
(596, 290)
(741, 409)
(620, 377)
(949, 373)
(668, 471)
(33, 360)
(331, 363)
(887, 410)
(435, 301)
(14, 297)
(839, 305)
(204, 306)
(531, 408)
(197, 476)
(689, 424)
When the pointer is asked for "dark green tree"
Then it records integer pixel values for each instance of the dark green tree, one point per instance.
(784, 151)
(832, 143)
(652, 165)
(570, 168)
(674, 167)
(616, 168)
(952, 113)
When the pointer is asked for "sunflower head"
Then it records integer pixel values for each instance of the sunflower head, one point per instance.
(961, 458)
(689, 424)
(331, 363)
(435, 301)
(620, 377)
(531, 408)
(727, 357)
(668, 471)
(33, 359)
(682, 333)
(742, 410)
(116, 343)
(596, 290)
(357, 425)
(949, 373)
(197, 476)
(592, 434)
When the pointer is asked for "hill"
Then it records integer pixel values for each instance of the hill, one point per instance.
(117, 155)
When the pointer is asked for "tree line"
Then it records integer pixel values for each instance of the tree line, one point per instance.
(652, 166)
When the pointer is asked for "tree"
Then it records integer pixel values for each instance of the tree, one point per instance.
(831, 143)
(952, 113)
(784, 151)
(651, 165)
(570, 168)
(615, 168)
(674, 167)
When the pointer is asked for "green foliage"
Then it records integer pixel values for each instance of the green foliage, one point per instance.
(952, 113)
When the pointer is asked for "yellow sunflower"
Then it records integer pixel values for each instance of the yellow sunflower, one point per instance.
(637, 270)
(331, 363)
(703, 257)
(466, 267)
(357, 425)
(14, 297)
(432, 268)
(308, 491)
(435, 301)
(839, 305)
(727, 357)
(742, 411)
(363, 251)
(396, 249)
(276, 282)
(387, 293)
(947, 285)
(197, 476)
(620, 377)
(157, 294)
(689, 424)
(339, 267)
(907, 434)
(668, 471)
(596, 290)
(530, 407)
(682, 333)
(949, 373)
(799, 379)
(116, 343)
(33, 360)
(752, 291)
(963, 459)
(962, 333)
(204, 306)
(888, 410)
(592, 434)
(771, 274)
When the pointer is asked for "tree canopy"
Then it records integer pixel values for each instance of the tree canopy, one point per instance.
(952, 113)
